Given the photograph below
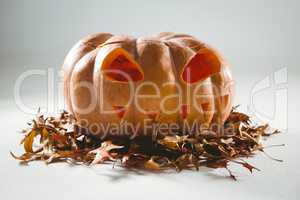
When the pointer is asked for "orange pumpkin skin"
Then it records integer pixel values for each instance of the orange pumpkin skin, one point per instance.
(165, 61)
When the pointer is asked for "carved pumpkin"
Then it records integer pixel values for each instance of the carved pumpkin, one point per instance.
(116, 79)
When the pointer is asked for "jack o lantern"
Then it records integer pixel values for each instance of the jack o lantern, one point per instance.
(169, 79)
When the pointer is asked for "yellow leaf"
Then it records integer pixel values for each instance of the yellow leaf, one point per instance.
(152, 165)
(108, 145)
(45, 133)
(28, 141)
(171, 142)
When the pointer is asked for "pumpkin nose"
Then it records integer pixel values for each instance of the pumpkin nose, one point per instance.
(201, 66)
(120, 110)
(184, 111)
(153, 114)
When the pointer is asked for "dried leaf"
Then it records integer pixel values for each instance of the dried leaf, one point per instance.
(28, 141)
(102, 153)
(152, 165)
(62, 139)
(171, 142)
(249, 167)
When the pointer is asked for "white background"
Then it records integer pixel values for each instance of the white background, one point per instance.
(257, 37)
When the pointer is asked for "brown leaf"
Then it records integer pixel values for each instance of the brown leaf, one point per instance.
(28, 141)
(214, 149)
(59, 138)
(216, 163)
(171, 142)
(62, 139)
(247, 165)
(102, 153)
(152, 165)
(44, 135)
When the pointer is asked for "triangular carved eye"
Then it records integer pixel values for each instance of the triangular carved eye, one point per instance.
(120, 66)
(201, 66)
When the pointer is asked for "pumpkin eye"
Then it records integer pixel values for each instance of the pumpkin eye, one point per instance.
(201, 66)
(120, 66)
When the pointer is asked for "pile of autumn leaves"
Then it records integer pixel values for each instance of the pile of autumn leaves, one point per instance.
(60, 139)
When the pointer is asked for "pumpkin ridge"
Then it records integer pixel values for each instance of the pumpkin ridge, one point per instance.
(180, 42)
(136, 57)
(174, 49)
(80, 49)
(213, 79)
(82, 73)
(176, 74)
